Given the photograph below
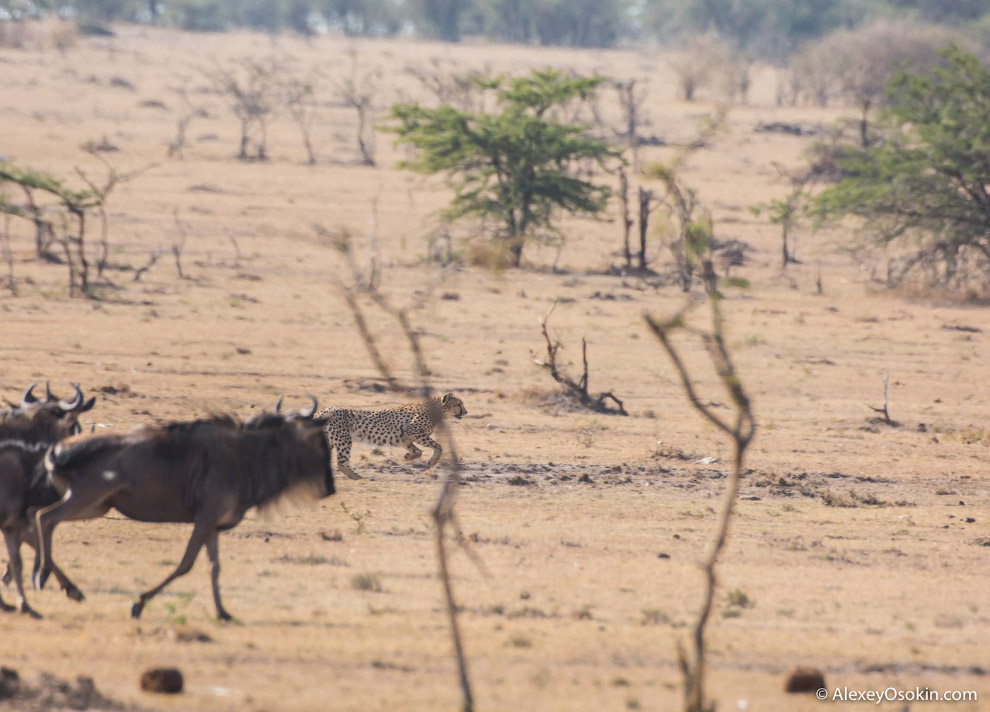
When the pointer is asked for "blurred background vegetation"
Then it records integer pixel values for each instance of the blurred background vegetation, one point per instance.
(765, 30)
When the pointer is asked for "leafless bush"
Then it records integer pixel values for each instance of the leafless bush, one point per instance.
(575, 390)
(179, 242)
(698, 65)
(59, 214)
(631, 100)
(101, 193)
(857, 64)
(688, 226)
(451, 85)
(740, 429)
(8, 254)
(301, 101)
(253, 89)
(358, 91)
(187, 113)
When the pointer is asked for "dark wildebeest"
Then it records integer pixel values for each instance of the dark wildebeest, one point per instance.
(26, 431)
(206, 472)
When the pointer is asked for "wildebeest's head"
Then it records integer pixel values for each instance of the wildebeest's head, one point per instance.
(48, 420)
(300, 440)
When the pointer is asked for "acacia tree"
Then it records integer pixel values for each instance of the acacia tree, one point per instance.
(925, 182)
(516, 166)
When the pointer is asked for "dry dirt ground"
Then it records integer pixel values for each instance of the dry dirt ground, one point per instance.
(858, 548)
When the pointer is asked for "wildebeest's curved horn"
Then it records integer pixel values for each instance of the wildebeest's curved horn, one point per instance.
(28, 396)
(48, 393)
(69, 406)
(309, 414)
(278, 405)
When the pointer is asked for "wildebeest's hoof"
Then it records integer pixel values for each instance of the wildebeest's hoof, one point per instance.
(222, 615)
(75, 594)
(25, 608)
(136, 609)
(6, 607)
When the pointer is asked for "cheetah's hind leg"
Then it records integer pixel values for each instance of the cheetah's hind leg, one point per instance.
(413, 452)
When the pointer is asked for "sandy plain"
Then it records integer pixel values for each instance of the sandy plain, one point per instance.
(581, 611)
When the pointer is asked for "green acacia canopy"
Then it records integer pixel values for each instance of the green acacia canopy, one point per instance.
(925, 184)
(515, 167)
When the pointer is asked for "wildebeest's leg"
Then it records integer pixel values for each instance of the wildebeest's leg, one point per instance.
(200, 533)
(7, 577)
(86, 502)
(343, 459)
(213, 551)
(427, 441)
(72, 591)
(13, 541)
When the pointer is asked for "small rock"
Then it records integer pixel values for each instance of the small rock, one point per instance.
(802, 679)
(586, 479)
(164, 680)
(663, 555)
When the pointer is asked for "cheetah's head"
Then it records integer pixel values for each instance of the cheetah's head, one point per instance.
(452, 405)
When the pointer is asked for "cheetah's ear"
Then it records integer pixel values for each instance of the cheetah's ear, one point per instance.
(446, 398)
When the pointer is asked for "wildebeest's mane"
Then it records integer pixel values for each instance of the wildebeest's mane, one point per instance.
(258, 460)
(221, 420)
(274, 461)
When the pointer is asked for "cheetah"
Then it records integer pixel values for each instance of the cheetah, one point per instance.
(405, 425)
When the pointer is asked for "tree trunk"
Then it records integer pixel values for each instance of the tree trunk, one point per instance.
(515, 249)
(645, 197)
(627, 221)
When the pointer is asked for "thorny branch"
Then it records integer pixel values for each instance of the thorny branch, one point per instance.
(741, 430)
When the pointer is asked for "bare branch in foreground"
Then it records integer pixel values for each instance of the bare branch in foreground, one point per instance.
(741, 430)
(443, 511)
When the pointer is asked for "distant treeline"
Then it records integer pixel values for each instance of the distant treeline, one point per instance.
(768, 29)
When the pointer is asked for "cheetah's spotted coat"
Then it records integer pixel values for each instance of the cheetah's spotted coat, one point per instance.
(405, 425)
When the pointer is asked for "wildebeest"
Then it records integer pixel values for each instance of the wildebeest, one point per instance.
(206, 472)
(26, 431)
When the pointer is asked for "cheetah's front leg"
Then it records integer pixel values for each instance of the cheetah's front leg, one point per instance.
(343, 461)
(427, 441)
